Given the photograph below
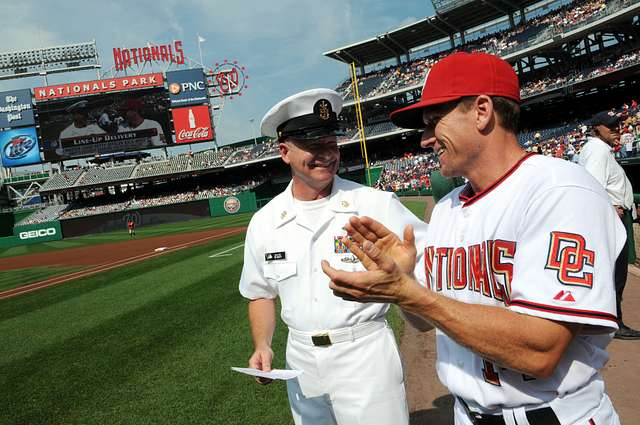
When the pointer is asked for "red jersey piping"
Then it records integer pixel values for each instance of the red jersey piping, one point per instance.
(468, 198)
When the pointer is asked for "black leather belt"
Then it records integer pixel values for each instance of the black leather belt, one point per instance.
(543, 416)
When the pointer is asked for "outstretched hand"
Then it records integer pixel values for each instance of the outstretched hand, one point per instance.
(403, 252)
(389, 263)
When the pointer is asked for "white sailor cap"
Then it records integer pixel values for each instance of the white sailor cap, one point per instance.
(78, 106)
(306, 115)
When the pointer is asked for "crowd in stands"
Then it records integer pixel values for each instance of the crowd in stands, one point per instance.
(411, 172)
(412, 73)
(103, 205)
(549, 83)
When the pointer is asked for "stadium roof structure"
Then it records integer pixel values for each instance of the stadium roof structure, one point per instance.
(454, 17)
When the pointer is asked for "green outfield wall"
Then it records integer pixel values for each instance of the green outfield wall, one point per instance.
(242, 202)
(33, 233)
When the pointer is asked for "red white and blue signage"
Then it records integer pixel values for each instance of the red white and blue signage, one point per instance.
(19, 147)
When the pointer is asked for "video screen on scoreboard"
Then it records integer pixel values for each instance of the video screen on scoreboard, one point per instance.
(104, 124)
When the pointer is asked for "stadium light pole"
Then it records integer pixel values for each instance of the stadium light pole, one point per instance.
(253, 130)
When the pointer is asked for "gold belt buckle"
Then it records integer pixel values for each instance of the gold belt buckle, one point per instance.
(321, 340)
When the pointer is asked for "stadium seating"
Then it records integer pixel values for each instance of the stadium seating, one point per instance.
(47, 214)
(208, 159)
(62, 180)
(411, 74)
(94, 176)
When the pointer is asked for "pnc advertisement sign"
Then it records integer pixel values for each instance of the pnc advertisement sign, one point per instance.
(192, 124)
(16, 109)
(19, 146)
(187, 87)
(99, 86)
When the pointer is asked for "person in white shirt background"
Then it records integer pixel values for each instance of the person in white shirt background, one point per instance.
(598, 159)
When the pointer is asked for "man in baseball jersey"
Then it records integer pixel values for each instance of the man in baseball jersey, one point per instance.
(597, 158)
(135, 122)
(519, 261)
(352, 373)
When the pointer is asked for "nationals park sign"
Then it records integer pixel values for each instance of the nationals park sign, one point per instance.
(99, 86)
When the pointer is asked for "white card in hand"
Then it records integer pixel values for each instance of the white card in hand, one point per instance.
(274, 374)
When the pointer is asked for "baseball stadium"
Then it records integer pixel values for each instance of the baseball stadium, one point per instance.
(101, 325)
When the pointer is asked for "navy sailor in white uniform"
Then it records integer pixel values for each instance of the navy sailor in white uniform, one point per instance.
(352, 371)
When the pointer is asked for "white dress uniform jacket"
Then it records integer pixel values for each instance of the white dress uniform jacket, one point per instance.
(358, 379)
(282, 255)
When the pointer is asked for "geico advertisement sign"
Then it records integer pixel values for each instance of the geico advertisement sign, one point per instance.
(40, 233)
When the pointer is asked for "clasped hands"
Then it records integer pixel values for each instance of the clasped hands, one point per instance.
(389, 264)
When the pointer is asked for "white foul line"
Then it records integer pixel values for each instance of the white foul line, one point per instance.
(224, 253)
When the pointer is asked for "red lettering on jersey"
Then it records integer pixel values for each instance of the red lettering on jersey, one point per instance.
(449, 267)
(477, 269)
(429, 253)
(490, 374)
(568, 255)
(441, 253)
(502, 250)
(459, 275)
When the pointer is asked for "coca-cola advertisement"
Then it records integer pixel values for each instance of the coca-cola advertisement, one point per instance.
(192, 124)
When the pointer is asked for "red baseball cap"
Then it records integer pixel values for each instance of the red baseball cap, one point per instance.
(458, 75)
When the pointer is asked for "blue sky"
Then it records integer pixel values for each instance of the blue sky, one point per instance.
(279, 42)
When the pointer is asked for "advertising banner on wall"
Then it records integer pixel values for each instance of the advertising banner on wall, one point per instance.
(19, 146)
(192, 124)
(16, 109)
(187, 87)
(104, 124)
(85, 88)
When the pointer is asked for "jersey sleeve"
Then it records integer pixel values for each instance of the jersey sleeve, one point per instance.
(563, 266)
(253, 284)
(398, 217)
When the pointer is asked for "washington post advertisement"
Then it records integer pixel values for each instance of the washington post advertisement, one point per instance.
(103, 124)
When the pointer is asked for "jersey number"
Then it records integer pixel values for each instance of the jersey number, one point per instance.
(491, 375)
(568, 255)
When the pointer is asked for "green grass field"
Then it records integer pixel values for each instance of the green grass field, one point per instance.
(149, 343)
(141, 233)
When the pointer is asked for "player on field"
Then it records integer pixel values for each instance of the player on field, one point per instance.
(519, 261)
(131, 226)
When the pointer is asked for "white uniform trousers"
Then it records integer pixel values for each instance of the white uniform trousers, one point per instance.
(355, 382)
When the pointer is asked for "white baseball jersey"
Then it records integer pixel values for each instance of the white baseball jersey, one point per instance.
(154, 141)
(73, 131)
(283, 251)
(542, 241)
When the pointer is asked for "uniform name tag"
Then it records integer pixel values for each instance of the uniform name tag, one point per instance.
(270, 256)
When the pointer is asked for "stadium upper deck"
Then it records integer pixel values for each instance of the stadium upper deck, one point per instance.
(474, 19)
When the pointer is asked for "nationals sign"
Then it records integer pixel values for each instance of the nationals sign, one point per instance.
(126, 58)
(99, 86)
(192, 124)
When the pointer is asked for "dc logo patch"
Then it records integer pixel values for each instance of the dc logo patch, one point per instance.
(568, 255)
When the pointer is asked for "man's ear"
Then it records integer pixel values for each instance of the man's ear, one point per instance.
(485, 117)
(284, 152)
